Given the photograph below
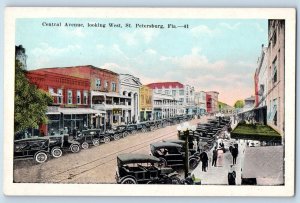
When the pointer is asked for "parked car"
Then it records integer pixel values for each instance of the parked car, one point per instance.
(36, 148)
(92, 137)
(120, 131)
(172, 155)
(145, 126)
(143, 169)
(61, 143)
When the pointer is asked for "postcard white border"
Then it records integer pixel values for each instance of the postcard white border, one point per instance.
(10, 188)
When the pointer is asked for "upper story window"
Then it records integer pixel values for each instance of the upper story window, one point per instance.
(51, 91)
(85, 97)
(78, 97)
(106, 85)
(98, 83)
(70, 97)
(274, 71)
(60, 97)
(174, 92)
(181, 92)
(113, 87)
(166, 91)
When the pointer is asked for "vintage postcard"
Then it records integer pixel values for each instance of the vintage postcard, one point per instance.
(149, 101)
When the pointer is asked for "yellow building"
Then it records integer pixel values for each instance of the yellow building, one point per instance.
(145, 104)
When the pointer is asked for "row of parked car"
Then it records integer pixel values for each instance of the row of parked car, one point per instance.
(40, 148)
(166, 157)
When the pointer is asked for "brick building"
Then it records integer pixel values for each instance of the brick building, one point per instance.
(212, 101)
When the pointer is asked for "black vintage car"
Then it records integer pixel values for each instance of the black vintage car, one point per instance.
(143, 169)
(172, 155)
(92, 137)
(36, 148)
(61, 143)
(120, 131)
(145, 126)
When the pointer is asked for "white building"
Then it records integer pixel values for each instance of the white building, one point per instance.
(130, 87)
(200, 102)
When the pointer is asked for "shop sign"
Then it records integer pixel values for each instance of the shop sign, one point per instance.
(117, 111)
(53, 109)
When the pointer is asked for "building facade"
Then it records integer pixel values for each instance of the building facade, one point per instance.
(189, 101)
(130, 86)
(71, 101)
(212, 101)
(165, 106)
(275, 65)
(200, 102)
(145, 103)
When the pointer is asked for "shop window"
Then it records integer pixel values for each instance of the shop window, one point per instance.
(60, 97)
(85, 97)
(78, 97)
(70, 97)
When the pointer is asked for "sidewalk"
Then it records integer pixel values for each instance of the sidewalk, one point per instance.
(218, 175)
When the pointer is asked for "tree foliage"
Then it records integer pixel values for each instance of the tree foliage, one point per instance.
(239, 104)
(30, 102)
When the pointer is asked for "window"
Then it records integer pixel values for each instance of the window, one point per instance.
(181, 92)
(85, 97)
(106, 85)
(51, 91)
(78, 97)
(159, 91)
(166, 91)
(274, 39)
(274, 71)
(174, 92)
(98, 83)
(60, 97)
(70, 97)
(113, 87)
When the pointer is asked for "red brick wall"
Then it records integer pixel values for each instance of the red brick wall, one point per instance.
(92, 73)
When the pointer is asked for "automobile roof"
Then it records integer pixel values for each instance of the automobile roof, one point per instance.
(175, 141)
(164, 144)
(136, 158)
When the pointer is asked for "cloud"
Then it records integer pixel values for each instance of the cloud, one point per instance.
(150, 51)
(99, 46)
(230, 26)
(139, 36)
(194, 60)
(258, 27)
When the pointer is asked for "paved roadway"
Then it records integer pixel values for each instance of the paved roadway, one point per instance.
(94, 165)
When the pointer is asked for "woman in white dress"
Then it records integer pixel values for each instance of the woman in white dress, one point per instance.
(220, 157)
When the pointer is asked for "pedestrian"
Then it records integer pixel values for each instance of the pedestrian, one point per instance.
(234, 153)
(204, 159)
(220, 157)
(221, 146)
(231, 176)
(215, 157)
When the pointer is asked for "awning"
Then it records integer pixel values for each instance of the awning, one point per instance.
(74, 111)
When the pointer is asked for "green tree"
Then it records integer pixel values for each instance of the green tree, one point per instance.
(30, 102)
(239, 104)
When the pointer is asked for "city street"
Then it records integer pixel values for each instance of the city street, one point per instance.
(94, 165)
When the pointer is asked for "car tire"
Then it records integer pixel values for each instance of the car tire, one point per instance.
(125, 134)
(96, 142)
(85, 145)
(175, 180)
(56, 152)
(128, 180)
(162, 163)
(116, 136)
(40, 157)
(193, 163)
(74, 148)
(134, 132)
(106, 140)
(144, 130)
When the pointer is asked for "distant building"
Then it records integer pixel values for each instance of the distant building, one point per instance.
(21, 56)
(130, 86)
(200, 102)
(165, 106)
(212, 101)
(249, 102)
(145, 103)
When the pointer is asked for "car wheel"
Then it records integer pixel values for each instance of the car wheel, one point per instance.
(134, 132)
(116, 137)
(96, 142)
(56, 152)
(144, 130)
(125, 134)
(128, 181)
(40, 157)
(174, 180)
(106, 140)
(75, 148)
(162, 163)
(85, 145)
(193, 163)
(151, 182)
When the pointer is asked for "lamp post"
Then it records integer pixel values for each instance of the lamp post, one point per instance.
(185, 128)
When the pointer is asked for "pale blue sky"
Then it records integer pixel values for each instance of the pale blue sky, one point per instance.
(217, 54)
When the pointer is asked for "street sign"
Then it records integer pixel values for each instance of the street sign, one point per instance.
(117, 111)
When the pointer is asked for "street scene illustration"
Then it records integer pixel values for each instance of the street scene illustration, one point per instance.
(149, 101)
